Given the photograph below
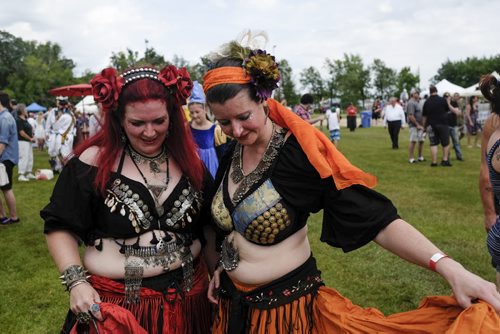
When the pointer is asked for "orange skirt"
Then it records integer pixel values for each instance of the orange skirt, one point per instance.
(330, 312)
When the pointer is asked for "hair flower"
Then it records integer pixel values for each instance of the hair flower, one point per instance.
(184, 85)
(169, 75)
(263, 69)
(106, 88)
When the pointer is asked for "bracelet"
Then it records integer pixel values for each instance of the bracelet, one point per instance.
(73, 274)
(77, 283)
(434, 260)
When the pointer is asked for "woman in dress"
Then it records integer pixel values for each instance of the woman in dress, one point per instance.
(474, 128)
(281, 170)
(203, 129)
(40, 130)
(134, 194)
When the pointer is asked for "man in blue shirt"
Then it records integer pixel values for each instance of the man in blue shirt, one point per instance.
(9, 156)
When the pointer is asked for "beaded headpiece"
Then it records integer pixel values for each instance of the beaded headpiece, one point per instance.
(108, 85)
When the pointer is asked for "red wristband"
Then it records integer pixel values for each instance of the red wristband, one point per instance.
(434, 260)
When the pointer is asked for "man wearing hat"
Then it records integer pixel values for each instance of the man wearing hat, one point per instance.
(414, 112)
(60, 133)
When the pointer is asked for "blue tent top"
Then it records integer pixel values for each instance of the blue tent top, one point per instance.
(35, 107)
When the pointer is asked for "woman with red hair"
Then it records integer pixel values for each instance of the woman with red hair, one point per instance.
(134, 195)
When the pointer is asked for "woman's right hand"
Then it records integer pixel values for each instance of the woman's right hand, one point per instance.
(214, 285)
(82, 297)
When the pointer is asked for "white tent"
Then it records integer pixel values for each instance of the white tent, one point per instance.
(87, 105)
(444, 86)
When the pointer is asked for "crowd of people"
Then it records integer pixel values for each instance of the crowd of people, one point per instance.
(178, 217)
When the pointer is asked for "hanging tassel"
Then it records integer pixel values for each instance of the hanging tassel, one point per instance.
(136, 245)
(99, 245)
(154, 241)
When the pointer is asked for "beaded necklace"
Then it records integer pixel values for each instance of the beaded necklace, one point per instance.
(155, 189)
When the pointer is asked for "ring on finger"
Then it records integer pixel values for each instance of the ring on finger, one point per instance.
(94, 308)
(83, 317)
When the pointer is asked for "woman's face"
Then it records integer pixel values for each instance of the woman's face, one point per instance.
(146, 126)
(241, 118)
(198, 113)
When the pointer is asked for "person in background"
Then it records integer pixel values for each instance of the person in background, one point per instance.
(414, 113)
(474, 128)
(435, 120)
(303, 109)
(134, 195)
(279, 172)
(490, 87)
(40, 130)
(61, 136)
(377, 108)
(352, 114)
(453, 115)
(9, 156)
(203, 129)
(333, 120)
(26, 138)
(394, 119)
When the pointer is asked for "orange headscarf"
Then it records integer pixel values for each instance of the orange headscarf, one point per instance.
(320, 151)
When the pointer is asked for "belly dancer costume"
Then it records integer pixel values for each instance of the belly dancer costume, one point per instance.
(173, 302)
(274, 202)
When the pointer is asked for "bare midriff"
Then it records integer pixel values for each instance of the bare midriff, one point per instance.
(263, 264)
(110, 263)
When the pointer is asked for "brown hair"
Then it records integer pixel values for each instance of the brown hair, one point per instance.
(490, 87)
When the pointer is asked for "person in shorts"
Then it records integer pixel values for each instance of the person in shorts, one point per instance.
(414, 112)
(333, 119)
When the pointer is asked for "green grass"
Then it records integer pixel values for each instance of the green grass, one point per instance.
(441, 202)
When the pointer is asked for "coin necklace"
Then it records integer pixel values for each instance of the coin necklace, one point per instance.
(155, 189)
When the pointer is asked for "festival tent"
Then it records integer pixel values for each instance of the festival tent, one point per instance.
(35, 107)
(87, 105)
(444, 86)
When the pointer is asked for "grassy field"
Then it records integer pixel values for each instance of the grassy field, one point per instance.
(441, 202)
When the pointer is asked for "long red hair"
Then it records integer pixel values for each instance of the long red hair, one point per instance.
(180, 142)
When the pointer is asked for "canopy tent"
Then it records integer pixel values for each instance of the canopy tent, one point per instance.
(35, 107)
(474, 89)
(444, 86)
(87, 105)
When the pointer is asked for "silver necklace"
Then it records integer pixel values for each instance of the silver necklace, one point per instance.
(156, 189)
(247, 181)
(154, 162)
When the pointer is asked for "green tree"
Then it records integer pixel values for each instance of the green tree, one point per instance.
(124, 60)
(311, 80)
(152, 58)
(384, 79)
(349, 78)
(286, 88)
(467, 72)
(407, 80)
(42, 69)
(13, 50)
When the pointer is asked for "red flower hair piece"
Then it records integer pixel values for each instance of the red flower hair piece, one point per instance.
(107, 86)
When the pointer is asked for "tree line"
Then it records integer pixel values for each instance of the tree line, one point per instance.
(28, 69)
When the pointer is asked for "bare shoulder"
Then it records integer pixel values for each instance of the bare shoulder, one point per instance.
(89, 156)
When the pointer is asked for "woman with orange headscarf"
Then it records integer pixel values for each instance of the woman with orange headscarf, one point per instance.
(279, 171)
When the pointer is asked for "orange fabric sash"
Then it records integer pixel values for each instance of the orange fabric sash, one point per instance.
(320, 151)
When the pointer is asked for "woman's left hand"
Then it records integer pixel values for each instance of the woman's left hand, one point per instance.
(468, 287)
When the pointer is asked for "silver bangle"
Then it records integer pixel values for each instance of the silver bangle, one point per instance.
(73, 274)
(77, 283)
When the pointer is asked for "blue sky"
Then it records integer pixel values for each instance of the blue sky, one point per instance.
(420, 34)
